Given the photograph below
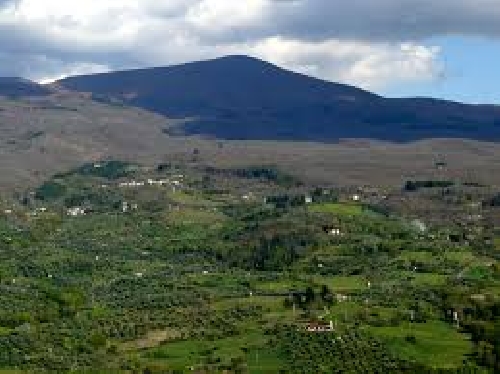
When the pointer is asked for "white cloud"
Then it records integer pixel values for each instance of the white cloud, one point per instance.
(368, 65)
(365, 42)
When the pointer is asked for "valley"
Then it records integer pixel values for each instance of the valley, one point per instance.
(181, 268)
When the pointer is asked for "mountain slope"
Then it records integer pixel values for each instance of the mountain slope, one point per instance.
(239, 97)
(18, 87)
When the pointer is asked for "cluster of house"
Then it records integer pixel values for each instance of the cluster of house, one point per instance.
(79, 211)
(37, 211)
(126, 207)
(75, 212)
(153, 182)
(132, 184)
(248, 196)
(335, 232)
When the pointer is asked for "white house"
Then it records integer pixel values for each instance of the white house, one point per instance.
(335, 232)
(316, 327)
(75, 212)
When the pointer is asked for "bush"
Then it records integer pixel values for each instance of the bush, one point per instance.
(50, 191)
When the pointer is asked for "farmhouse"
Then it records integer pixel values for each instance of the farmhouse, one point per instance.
(335, 232)
(75, 212)
(132, 184)
(153, 182)
(317, 327)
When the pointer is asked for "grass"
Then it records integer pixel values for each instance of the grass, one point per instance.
(341, 209)
(279, 286)
(437, 344)
(191, 199)
(424, 279)
(250, 347)
(479, 273)
(195, 216)
(418, 256)
(465, 258)
(343, 283)
(262, 361)
(5, 331)
(497, 243)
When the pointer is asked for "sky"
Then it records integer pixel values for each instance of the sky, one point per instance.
(446, 48)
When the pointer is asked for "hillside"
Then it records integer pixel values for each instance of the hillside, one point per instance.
(46, 135)
(239, 97)
(18, 87)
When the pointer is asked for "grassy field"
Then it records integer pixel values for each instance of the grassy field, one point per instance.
(250, 347)
(341, 209)
(435, 344)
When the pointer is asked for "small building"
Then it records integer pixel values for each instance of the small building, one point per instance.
(341, 298)
(75, 212)
(318, 327)
(335, 232)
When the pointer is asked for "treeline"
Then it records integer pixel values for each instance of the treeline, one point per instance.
(481, 319)
(106, 169)
(417, 185)
(493, 202)
(264, 173)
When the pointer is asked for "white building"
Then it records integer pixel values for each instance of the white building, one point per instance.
(75, 212)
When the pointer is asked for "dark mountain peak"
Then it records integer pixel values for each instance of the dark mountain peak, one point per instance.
(242, 97)
(15, 87)
(240, 59)
(240, 62)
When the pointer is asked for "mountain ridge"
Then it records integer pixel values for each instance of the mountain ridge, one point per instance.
(16, 87)
(241, 97)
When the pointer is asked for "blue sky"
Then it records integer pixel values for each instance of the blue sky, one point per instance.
(471, 72)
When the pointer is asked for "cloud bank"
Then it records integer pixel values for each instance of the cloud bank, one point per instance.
(370, 43)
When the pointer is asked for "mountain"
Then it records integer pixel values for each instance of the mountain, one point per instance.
(18, 87)
(239, 97)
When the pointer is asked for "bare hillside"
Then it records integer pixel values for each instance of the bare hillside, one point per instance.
(39, 137)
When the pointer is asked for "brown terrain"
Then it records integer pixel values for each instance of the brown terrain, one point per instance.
(43, 136)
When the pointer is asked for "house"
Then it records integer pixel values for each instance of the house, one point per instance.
(75, 212)
(317, 327)
(162, 182)
(332, 230)
(341, 298)
(335, 232)
(132, 184)
(309, 200)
